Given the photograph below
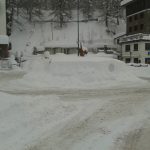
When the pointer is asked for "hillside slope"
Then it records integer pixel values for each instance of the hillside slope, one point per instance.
(27, 35)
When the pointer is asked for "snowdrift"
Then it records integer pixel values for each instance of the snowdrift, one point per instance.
(63, 71)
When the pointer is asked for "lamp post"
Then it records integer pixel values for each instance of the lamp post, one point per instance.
(52, 30)
(78, 27)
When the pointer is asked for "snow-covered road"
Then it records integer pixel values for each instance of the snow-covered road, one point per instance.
(114, 116)
(70, 120)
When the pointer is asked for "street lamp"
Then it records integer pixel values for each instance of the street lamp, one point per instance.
(78, 27)
(52, 30)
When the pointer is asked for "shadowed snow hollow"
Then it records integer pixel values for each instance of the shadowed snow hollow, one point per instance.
(63, 71)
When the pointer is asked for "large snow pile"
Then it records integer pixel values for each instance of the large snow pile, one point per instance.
(62, 71)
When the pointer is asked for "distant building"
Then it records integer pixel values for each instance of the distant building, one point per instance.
(61, 47)
(4, 39)
(72, 47)
(135, 44)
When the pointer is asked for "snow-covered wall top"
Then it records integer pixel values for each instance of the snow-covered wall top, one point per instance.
(124, 2)
(2, 17)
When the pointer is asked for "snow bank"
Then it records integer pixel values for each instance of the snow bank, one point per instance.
(143, 72)
(62, 71)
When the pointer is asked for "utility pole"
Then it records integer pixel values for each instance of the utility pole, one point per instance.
(52, 30)
(78, 27)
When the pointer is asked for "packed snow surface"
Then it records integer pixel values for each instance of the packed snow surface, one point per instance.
(66, 102)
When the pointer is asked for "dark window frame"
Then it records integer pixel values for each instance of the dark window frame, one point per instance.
(136, 28)
(130, 29)
(130, 19)
(136, 60)
(136, 47)
(141, 26)
(127, 48)
(136, 17)
(147, 60)
(127, 60)
(147, 46)
(142, 15)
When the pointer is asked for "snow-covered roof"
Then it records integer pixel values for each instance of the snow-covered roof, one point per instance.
(4, 39)
(119, 35)
(135, 37)
(124, 2)
(100, 45)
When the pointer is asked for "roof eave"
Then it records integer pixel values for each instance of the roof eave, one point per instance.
(123, 4)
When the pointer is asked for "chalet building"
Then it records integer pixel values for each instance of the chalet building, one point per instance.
(135, 44)
(4, 39)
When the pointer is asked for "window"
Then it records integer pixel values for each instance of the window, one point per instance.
(135, 28)
(147, 60)
(142, 15)
(127, 60)
(127, 48)
(136, 60)
(142, 26)
(135, 17)
(130, 29)
(130, 19)
(136, 47)
(118, 41)
(147, 46)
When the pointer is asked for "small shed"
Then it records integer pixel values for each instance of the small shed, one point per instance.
(61, 47)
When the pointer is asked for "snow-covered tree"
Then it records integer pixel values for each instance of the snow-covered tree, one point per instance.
(87, 7)
(61, 9)
(109, 9)
(116, 10)
(105, 7)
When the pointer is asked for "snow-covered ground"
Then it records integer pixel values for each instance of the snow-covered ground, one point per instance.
(69, 102)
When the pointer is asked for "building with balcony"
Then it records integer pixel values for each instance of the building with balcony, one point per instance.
(135, 44)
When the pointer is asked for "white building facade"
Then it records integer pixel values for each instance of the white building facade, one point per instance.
(136, 48)
(135, 44)
(2, 17)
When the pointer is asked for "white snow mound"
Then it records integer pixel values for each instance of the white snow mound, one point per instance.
(63, 71)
